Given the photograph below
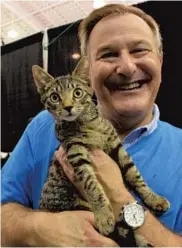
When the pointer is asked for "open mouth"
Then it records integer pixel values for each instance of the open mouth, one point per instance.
(130, 86)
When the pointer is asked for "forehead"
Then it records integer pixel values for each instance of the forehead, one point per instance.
(122, 28)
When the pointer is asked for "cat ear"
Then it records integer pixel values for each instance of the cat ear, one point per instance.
(42, 78)
(82, 70)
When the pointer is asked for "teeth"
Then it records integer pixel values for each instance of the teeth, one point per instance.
(130, 86)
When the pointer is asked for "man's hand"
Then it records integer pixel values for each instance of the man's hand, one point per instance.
(110, 177)
(22, 226)
(69, 228)
(108, 174)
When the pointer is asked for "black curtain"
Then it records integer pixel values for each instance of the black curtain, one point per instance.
(60, 61)
(169, 16)
(20, 100)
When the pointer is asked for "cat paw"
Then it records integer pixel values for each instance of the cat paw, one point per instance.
(105, 220)
(160, 204)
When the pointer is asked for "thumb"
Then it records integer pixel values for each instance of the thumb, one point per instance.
(89, 216)
(106, 242)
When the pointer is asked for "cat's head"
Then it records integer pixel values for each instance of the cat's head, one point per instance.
(65, 97)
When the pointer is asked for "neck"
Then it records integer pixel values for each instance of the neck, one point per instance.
(127, 124)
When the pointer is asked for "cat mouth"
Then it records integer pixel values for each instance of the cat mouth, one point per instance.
(69, 117)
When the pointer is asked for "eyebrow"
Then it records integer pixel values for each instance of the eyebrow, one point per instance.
(107, 46)
(138, 42)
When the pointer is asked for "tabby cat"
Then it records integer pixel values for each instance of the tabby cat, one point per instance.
(80, 127)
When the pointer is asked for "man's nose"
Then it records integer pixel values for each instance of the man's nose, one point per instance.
(126, 65)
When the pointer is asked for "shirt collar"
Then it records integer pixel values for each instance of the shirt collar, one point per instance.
(145, 130)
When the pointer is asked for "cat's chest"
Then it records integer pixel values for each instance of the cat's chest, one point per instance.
(91, 135)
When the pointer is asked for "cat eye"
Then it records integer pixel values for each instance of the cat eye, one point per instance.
(77, 93)
(54, 97)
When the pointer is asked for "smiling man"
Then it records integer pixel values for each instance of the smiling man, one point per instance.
(125, 69)
(125, 54)
(124, 50)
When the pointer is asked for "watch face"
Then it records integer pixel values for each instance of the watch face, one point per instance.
(134, 215)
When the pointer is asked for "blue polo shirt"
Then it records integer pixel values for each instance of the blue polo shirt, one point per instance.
(156, 151)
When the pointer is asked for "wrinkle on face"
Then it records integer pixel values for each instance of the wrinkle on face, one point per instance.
(133, 55)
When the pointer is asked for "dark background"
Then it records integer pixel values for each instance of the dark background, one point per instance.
(20, 100)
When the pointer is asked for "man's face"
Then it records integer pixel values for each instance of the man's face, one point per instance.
(125, 68)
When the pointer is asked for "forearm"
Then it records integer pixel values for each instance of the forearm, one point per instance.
(152, 230)
(158, 235)
(17, 225)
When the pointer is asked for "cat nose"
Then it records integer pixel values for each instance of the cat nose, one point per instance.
(68, 108)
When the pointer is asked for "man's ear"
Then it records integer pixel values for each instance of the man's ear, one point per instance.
(42, 78)
(82, 70)
(161, 58)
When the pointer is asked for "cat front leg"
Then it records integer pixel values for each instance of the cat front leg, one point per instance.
(82, 164)
(133, 177)
(154, 201)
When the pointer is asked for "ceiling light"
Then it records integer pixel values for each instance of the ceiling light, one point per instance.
(12, 34)
(75, 55)
(98, 3)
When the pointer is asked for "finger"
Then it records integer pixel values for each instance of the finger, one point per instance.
(89, 216)
(101, 240)
(60, 155)
(98, 153)
(102, 162)
(62, 159)
(106, 242)
(61, 151)
(68, 171)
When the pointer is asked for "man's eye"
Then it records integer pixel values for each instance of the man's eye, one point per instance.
(140, 50)
(109, 55)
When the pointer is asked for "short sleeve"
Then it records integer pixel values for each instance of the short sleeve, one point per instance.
(178, 224)
(16, 172)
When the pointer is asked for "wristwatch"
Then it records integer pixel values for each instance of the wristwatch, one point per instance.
(133, 214)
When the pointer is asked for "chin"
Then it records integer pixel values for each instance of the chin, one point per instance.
(132, 107)
(127, 116)
(129, 111)
(70, 118)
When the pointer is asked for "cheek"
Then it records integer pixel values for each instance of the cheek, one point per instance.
(152, 65)
(99, 72)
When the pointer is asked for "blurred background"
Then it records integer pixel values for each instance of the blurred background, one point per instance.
(45, 33)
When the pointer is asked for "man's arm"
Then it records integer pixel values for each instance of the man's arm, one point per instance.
(152, 230)
(156, 234)
(24, 227)
(16, 224)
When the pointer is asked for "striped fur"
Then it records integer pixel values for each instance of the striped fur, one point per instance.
(80, 127)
